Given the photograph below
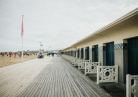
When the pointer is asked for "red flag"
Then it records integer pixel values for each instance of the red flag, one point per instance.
(22, 30)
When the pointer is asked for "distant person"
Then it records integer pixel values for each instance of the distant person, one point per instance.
(3, 54)
(15, 55)
(49, 54)
(9, 54)
(52, 54)
(23, 54)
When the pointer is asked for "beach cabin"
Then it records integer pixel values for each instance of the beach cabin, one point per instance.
(113, 45)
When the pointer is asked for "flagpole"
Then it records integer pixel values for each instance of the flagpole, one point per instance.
(22, 49)
(22, 38)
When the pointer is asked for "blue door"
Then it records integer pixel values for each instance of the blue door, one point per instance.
(96, 53)
(133, 56)
(78, 53)
(87, 53)
(82, 53)
(110, 54)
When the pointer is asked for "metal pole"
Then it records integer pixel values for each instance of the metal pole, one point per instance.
(22, 49)
(22, 39)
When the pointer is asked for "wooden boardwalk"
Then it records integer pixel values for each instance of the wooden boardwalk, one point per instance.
(48, 77)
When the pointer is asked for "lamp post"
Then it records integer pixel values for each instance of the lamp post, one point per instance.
(40, 45)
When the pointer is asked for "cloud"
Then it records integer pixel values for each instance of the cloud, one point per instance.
(59, 23)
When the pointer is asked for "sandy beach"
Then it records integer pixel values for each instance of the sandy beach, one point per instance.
(6, 60)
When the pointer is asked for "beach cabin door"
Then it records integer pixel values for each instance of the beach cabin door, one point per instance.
(96, 53)
(133, 56)
(81, 53)
(87, 53)
(110, 54)
(78, 53)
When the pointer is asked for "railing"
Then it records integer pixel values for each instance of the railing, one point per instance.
(72, 60)
(81, 64)
(132, 85)
(66, 57)
(107, 74)
(75, 61)
(91, 67)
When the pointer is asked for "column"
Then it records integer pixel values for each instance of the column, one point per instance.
(90, 51)
(84, 53)
(102, 54)
(120, 52)
(80, 53)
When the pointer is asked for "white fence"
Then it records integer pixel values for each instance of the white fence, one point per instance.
(65, 57)
(75, 61)
(132, 89)
(91, 67)
(81, 64)
(72, 60)
(107, 74)
(68, 58)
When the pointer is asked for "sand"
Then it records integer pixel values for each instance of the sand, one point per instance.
(6, 60)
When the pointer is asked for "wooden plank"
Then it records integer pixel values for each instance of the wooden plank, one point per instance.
(49, 77)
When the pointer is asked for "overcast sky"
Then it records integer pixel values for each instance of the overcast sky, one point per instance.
(55, 23)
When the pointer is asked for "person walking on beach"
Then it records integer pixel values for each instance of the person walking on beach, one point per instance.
(9, 54)
(52, 54)
(15, 55)
(3, 54)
